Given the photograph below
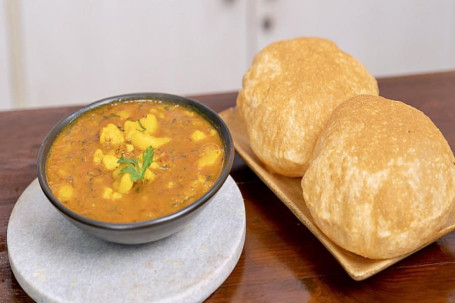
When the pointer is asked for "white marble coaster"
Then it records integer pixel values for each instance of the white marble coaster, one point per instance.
(54, 261)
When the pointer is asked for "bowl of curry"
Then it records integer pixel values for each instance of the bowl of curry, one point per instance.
(135, 168)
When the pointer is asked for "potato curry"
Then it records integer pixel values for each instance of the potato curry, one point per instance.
(134, 161)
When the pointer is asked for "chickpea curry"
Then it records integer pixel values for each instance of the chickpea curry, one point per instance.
(134, 161)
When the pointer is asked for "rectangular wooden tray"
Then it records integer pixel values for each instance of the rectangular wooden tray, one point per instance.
(289, 191)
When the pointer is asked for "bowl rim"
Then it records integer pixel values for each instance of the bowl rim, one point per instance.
(202, 109)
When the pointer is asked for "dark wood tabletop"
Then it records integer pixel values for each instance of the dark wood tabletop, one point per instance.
(281, 261)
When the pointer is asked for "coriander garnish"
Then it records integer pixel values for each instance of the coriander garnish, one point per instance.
(142, 126)
(135, 170)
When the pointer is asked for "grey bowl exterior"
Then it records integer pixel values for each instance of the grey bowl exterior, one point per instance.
(140, 235)
(143, 231)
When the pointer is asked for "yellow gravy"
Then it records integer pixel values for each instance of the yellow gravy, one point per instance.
(87, 164)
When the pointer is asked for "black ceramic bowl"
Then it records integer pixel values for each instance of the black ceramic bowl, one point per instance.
(144, 231)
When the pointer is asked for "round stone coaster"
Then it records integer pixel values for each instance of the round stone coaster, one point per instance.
(54, 261)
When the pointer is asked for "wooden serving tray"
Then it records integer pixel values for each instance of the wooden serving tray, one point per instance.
(289, 191)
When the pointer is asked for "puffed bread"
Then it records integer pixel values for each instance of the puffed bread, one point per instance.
(381, 180)
(288, 94)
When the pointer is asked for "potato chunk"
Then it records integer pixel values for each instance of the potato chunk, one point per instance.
(65, 192)
(98, 156)
(111, 134)
(124, 184)
(150, 123)
(154, 165)
(110, 194)
(209, 157)
(123, 114)
(189, 113)
(197, 135)
(116, 196)
(110, 162)
(149, 175)
(118, 171)
(142, 141)
(107, 193)
(130, 128)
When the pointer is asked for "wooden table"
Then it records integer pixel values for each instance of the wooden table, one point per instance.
(282, 261)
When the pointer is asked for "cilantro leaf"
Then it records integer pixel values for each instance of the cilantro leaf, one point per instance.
(128, 160)
(142, 126)
(136, 171)
(147, 159)
(133, 173)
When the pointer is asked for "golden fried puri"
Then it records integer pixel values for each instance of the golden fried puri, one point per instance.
(381, 180)
(288, 94)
